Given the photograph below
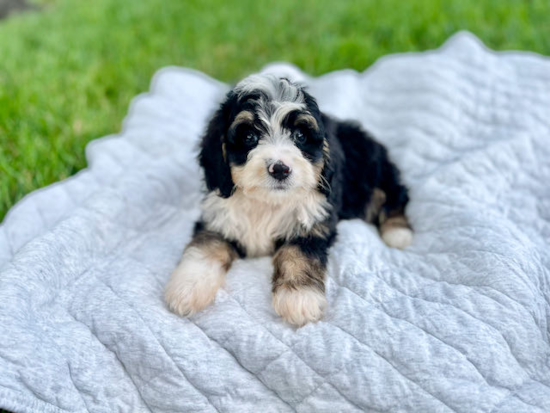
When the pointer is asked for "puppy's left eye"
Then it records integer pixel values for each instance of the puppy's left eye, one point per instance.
(250, 139)
(299, 137)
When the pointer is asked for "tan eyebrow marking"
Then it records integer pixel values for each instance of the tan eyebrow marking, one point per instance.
(244, 117)
(308, 120)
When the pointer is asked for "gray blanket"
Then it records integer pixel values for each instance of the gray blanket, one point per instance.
(458, 322)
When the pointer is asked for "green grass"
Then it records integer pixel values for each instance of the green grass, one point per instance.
(68, 72)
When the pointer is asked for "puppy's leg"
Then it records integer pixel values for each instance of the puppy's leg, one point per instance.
(375, 185)
(396, 231)
(201, 271)
(298, 281)
(392, 223)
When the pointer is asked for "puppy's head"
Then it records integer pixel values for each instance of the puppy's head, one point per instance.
(267, 139)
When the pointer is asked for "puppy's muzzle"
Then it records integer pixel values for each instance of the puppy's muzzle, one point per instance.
(279, 170)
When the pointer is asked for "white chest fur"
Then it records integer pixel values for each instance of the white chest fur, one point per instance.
(256, 224)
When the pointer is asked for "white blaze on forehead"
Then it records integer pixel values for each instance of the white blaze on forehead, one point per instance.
(274, 121)
(275, 88)
(279, 97)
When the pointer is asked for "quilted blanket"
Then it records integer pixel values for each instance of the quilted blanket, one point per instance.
(458, 322)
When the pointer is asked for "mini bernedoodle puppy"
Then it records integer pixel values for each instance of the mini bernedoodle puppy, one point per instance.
(280, 175)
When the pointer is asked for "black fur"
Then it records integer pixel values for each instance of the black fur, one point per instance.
(199, 228)
(216, 168)
(363, 166)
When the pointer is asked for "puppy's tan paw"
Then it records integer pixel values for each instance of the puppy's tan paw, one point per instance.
(194, 283)
(396, 232)
(397, 237)
(299, 306)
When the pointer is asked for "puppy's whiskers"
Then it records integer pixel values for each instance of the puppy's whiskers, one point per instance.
(323, 183)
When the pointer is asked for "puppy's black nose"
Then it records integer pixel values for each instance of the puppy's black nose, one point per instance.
(279, 170)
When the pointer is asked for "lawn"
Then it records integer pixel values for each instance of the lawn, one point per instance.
(69, 70)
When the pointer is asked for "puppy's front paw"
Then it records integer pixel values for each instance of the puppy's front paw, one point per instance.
(299, 306)
(194, 283)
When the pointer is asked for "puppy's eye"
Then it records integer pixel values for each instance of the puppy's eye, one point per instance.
(299, 137)
(250, 139)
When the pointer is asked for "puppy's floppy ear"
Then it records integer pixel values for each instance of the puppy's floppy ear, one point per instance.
(212, 157)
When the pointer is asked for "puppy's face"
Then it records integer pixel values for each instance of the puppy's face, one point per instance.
(272, 139)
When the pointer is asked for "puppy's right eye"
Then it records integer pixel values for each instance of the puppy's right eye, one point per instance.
(299, 137)
(250, 139)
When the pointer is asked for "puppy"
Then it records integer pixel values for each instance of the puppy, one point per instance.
(280, 175)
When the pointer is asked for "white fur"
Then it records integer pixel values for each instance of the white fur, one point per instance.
(281, 98)
(397, 237)
(253, 177)
(276, 89)
(194, 283)
(272, 115)
(299, 306)
(256, 223)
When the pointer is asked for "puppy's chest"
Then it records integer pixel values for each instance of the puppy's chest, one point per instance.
(256, 225)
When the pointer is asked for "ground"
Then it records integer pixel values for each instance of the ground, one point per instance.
(69, 68)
